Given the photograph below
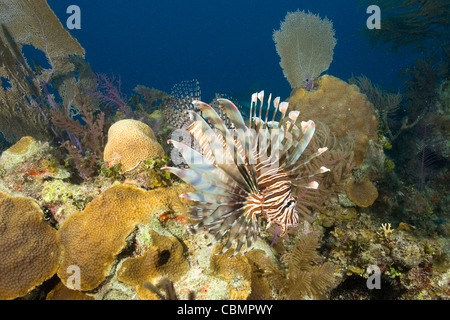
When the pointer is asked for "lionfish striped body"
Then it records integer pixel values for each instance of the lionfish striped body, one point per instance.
(245, 173)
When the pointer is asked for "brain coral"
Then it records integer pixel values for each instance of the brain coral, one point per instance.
(29, 248)
(132, 141)
(342, 107)
(164, 258)
(92, 238)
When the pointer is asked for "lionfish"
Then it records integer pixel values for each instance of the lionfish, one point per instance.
(245, 172)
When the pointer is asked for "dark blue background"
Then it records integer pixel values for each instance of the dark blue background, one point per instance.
(226, 45)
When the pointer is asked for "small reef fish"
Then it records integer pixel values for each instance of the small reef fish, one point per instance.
(242, 172)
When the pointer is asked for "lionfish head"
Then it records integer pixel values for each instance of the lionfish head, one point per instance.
(245, 172)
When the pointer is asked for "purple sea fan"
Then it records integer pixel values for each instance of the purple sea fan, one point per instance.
(246, 172)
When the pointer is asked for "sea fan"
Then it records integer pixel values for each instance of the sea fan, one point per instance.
(245, 173)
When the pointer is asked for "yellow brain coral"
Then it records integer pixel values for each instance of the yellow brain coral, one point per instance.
(164, 258)
(131, 141)
(29, 248)
(362, 193)
(91, 239)
(342, 107)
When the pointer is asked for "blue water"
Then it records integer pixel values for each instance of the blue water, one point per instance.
(226, 45)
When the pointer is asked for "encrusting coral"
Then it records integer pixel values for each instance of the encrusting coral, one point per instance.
(235, 270)
(164, 259)
(17, 153)
(61, 292)
(130, 142)
(92, 238)
(362, 193)
(343, 108)
(29, 248)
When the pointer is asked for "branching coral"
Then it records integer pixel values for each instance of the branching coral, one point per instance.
(305, 43)
(108, 93)
(86, 141)
(387, 104)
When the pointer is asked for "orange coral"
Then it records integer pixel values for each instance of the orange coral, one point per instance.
(342, 107)
(92, 238)
(163, 259)
(132, 141)
(362, 193)
(29, 248)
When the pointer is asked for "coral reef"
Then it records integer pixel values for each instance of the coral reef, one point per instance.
(234, 270)
(24, 103)
(410, 266)
(302, 36)
(61, 292)
(305, 277)
(29, 247)
(343, 108)
(130, 142)
(72, 200)
(112, 215)
(164, 259)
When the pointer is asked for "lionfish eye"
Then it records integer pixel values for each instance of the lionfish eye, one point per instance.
(290, 203)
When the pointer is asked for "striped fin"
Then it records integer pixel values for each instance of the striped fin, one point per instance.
(232, 113)
(214, 149)
(191, 177)
(294, 169)
(211, 115)
(244, 135)
(210, 197)
(190, 155)
(308, 132)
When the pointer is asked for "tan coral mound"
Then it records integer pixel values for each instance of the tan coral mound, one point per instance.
(165, 258)
(92, 238)
(362, 193)
(131, 141)
(235, 270)
(61, 292)
(21, 146)
(29, 248)
(342, 107)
